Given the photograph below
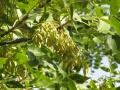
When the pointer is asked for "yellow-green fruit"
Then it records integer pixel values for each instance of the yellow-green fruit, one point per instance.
(63, 45)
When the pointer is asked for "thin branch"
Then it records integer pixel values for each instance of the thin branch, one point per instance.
(61, 25)
(15, 41)
(44, 4)
(23, 19)
(17, 24)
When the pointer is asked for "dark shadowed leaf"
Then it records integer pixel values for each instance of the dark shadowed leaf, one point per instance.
(13, 84)
(105, 69)
(79, 78)
(31, 55)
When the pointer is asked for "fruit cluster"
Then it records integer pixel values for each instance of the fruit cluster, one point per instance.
(60, 43)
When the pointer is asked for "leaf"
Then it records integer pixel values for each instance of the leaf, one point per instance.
(71, 12)
(46, 50)
(13, 84)
(78, 78)
(71, 84)
(31, 55)
(33, 63)
(85, 40)
(2, 60)
(21, 57)
(23, 6)
(111, 43)
(110, 89)
(97, 40)
(76, 17)
(104, 25)
(48, 64)
(117, 57)
(43, 81)
(114, 7)
(115, 24)
(98, 11)
(92, 84)
(105, 69)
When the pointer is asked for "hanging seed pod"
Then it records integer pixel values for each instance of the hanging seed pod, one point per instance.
(61, 42)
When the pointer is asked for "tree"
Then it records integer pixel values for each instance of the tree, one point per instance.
(46, 43)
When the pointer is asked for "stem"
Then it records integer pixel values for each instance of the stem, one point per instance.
(15, 41)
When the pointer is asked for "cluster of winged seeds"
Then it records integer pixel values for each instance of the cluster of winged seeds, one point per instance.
(60, 41)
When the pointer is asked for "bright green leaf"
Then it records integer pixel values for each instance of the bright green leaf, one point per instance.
(21, 57)
(114, 7)
(98, 11)
(2, 60)
(115, 24)
(104, 26)
(92, 84)
(97, 40)
(71, 84)
(111, 43)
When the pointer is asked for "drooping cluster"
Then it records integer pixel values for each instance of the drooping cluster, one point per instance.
(60, 42)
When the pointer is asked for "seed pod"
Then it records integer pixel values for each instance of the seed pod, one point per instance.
(60, 41)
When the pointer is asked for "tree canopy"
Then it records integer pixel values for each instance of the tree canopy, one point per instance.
(46, 43)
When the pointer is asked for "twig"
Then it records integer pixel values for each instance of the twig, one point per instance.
(24, 18)
(44, 4)
(61, 25)
(15, 41)
(17, 24)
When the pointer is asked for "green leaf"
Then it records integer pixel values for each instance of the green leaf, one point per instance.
(2, 60)
(97, 40)
(117, 57)
(105, 69)
(14, 84)
(115, 24)
(31, 55)
(76, 17)
(48, 64)
(111, 43)
(110, 89)
(114, 7)
(71, 84)
(33, 63)
(92, 84)
(46, 50)
(98, 11)
(104, 25)
(23, 6)
(71, 12)
(21, 57)
(78, 78)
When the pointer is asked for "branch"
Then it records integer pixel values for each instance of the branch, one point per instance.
(44, 4)
(23, 19)
(61, 25)
(17, 24)
(15, 41)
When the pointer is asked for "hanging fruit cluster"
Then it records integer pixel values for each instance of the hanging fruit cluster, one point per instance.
(60, 42)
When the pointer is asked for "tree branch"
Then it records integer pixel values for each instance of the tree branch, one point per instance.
(15, 41)
(23, 19)
(17, 24)
(61, 25)
(44, 4)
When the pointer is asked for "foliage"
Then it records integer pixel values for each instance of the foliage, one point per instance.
(46, 43)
